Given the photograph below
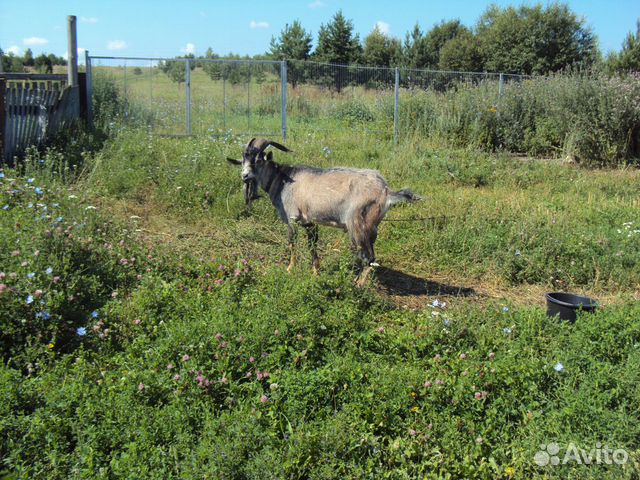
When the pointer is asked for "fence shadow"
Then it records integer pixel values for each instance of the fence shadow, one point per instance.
(399, 283)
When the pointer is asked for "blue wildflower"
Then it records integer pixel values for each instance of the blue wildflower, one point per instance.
(6, 207)
(446, 322)
(59, 219)
(1, 174)
(559, 367)
(31, 275)
(30, 205)
(29, 299)
(44, 315)
(505, 309)
(55, 204)
(30, 180)
(506, 330)
(49, 271)
(38, 191)
(94, 314)
(81, 331)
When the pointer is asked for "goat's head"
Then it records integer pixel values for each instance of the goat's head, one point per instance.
(253, 158)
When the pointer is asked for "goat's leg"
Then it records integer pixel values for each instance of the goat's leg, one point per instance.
(312, 237)
(291, 235)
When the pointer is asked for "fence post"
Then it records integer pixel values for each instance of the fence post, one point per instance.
(283, 88)
(187, 86)
(72, 69)
(501, 85)
(89, 89)
(395, 106)
(3, 91)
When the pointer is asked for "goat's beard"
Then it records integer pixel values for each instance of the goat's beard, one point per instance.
(250, 191)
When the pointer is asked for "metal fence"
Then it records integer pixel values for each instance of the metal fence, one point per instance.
(181, 96)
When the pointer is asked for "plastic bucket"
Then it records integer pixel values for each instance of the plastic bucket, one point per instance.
(567, 304)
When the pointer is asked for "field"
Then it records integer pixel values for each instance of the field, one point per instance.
(149, 328)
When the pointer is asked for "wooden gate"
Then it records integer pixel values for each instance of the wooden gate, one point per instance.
(33, 108)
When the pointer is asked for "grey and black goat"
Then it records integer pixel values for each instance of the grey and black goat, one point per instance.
(353, 199)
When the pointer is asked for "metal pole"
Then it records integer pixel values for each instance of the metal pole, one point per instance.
(249, 97)
(72, 65)
(283, 89)
(187, 86)
(395, 106)
(89, 80)
(501, 85)
(224, 99)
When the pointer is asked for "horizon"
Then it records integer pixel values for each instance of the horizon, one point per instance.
(186, 29)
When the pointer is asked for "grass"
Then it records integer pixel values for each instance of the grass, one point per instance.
(167, 340)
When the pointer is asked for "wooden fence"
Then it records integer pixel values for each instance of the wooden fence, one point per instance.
(33, 108)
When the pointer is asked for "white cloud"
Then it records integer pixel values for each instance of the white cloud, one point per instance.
(189, 49)
(254, 24)
(116, 45)
(14, 49)
(88, 19)
(317, 4)
(384, 27)
(35, 41)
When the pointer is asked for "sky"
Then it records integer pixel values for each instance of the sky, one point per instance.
(163, 28)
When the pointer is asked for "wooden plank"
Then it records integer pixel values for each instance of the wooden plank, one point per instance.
(9, 125)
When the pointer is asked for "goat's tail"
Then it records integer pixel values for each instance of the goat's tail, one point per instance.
(402, 196)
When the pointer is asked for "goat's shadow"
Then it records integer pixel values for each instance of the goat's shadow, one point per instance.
(399, 283)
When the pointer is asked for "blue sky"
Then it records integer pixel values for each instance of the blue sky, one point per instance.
(167, 28)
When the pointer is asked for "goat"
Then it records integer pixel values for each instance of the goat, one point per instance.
(353, 199)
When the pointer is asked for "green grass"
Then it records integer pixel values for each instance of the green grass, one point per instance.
(202, 358)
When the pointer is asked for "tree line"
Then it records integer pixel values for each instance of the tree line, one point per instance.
(43, 63)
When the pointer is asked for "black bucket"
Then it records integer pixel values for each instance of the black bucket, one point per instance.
(567, 304)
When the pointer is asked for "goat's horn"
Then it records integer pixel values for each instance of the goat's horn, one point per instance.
(263, 143)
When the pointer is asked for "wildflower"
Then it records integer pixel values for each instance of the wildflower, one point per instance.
(186, 358)
(252, 359)
(273, 386)
(51, 345)
(223, 345)
(437, 357)
(380, 329)
(559, 367)
(237, 273)
(463, 356)
(91, 207)
(176, 377)
(218, 336)
(439, 382)
(492, 355)
(30, 180)
(6, 207)
(114, 294)
(2, 275)
(1, 174)
(264, 399)
(141, 386)
(3, 287)
(518, 253)
(412, 432)
(31, 275)
(506, 330)
(415, 409)
(478, 395)
(81, 331)
(137, 321)
(505, 309)
(510, 471)
(38, 293)
(479, 440)
(49, 271)
(15, 253)
(71, 197)
(428, 384)
(438, 304)
(94, 314)
(56, 279)
(29, 299)
(38, 191)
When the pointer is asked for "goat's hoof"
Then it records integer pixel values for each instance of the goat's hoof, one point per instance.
(362, 278)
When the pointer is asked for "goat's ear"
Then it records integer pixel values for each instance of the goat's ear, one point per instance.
(233, 161)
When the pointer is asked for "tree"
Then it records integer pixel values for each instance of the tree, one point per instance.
(629, 57)
(337, 43)
(381, 50)
(414, 52)
(42, 63)
(461, 54)
(533, 40)
(437, 37)
(28, 58)
(176, 69)
(294, 43)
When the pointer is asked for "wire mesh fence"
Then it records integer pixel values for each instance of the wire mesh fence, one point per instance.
(271, 98)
